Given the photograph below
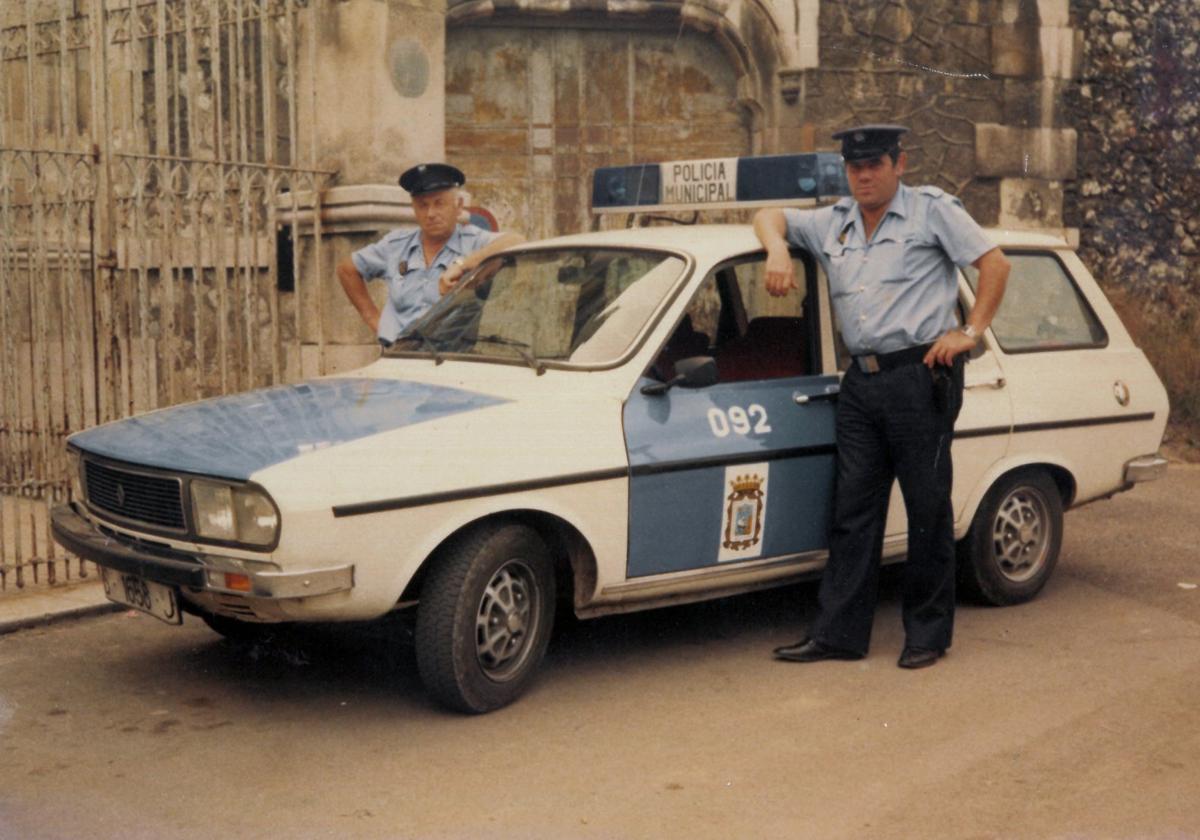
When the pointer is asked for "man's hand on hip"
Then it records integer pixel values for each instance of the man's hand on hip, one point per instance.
(947, 347)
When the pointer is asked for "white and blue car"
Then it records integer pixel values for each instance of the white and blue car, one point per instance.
(605, 422)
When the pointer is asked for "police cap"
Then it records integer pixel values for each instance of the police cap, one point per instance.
(431, 177)
(865, 142)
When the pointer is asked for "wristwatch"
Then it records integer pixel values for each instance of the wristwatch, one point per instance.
(458, 262)
(969, 332)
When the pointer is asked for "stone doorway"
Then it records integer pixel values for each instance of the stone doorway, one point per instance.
(532, 111)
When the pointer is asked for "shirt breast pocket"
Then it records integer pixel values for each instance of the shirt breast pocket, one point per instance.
(921, 255)
(842, 267)
(396, 267)
(889, 261)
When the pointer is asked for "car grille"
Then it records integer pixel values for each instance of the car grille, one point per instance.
(154, 500)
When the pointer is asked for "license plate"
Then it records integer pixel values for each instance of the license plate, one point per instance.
(141, 594)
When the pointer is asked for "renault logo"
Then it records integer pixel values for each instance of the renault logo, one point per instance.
(120, 495)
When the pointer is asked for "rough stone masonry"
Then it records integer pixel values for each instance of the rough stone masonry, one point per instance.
(1137, 111)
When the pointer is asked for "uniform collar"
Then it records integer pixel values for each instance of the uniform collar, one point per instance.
(416, 253)
(897, 207)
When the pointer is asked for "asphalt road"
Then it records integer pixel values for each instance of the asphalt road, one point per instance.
(1074, 716)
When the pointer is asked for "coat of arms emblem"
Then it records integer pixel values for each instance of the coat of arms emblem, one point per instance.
(744, 514)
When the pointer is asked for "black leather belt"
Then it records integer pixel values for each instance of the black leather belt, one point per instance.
(876, 362)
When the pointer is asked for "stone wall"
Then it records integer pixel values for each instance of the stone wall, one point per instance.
(531, 112)
(925, 65)
(1137, 111)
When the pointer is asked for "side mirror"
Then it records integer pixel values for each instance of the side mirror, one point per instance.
(696, 371)
(693, 372)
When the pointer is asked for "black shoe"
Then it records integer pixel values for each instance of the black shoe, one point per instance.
(919, 657)
(810, 650)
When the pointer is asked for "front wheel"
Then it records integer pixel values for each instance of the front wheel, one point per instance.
(484, 618)
(1012, 547)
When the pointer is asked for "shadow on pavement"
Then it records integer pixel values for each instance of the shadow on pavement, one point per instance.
(376, 660)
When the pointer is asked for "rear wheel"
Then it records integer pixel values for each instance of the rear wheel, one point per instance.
(484, 618)
(1012, 547)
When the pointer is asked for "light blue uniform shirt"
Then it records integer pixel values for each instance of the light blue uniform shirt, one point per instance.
(412, 286)
(899, 289)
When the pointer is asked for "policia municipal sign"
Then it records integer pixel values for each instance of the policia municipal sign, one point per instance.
(719, 183)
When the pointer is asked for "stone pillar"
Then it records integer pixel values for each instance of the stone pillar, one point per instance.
(801, 49)
(377, 106)
(380, 87)
(1036, 51)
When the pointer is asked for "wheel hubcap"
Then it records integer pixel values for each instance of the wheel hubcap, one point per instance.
(508, 611)
(1020, 534)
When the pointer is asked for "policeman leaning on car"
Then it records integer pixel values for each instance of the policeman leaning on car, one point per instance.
(890, 254)
(419, 265)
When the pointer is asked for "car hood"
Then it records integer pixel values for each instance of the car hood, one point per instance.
(236, 436)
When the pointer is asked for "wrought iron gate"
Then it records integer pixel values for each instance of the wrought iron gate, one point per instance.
(150, 151)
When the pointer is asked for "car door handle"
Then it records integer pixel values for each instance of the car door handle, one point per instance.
(997, 383)
(830, 393)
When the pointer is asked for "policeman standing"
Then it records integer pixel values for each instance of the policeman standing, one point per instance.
(890, 254)
(419, 265)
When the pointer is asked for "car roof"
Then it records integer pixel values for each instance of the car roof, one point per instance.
(699, 240)
(719, 241)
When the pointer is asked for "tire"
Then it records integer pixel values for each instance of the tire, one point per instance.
(499, 577)
(241, 631)
(1012, 547)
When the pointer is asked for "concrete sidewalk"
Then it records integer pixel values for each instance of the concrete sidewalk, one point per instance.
(45, 605)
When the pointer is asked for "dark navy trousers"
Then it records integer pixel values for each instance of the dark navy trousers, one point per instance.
(889, 427)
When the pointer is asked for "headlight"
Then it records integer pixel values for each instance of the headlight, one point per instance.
(75, 474)
(231, 513)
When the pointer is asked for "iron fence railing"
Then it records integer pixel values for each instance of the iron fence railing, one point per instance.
(151, 159)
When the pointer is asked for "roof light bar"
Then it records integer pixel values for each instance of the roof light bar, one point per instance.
(719, 183)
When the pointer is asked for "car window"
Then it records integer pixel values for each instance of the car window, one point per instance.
(575, 305)
(752, 335)
(1042, 308)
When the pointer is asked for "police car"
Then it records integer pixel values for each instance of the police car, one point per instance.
(604, 422)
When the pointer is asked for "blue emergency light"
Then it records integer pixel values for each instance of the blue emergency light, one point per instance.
(719, 183)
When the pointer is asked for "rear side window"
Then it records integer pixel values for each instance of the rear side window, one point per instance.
(1042, 307)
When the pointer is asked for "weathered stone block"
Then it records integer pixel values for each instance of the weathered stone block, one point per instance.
(1031, 203)
(1016, 50)
(1008, 151)
(491, 139)
(1034, 103)
(567, 165)
(1054, 12)
(1062, 51)
(355, 40)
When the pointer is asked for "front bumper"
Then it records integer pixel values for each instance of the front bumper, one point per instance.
(1145, 468)
(185, 569)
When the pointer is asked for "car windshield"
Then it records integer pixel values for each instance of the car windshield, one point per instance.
(582, 306)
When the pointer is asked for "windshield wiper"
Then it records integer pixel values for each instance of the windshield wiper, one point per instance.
(520, 346)
(426, 342)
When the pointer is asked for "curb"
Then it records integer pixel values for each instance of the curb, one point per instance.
(51, 605)
(46, 619)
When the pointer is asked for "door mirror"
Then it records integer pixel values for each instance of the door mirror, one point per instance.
(696, 372)
(693, 372)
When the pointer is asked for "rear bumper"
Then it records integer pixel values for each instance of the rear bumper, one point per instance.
(184, 569)
(1145, 468)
